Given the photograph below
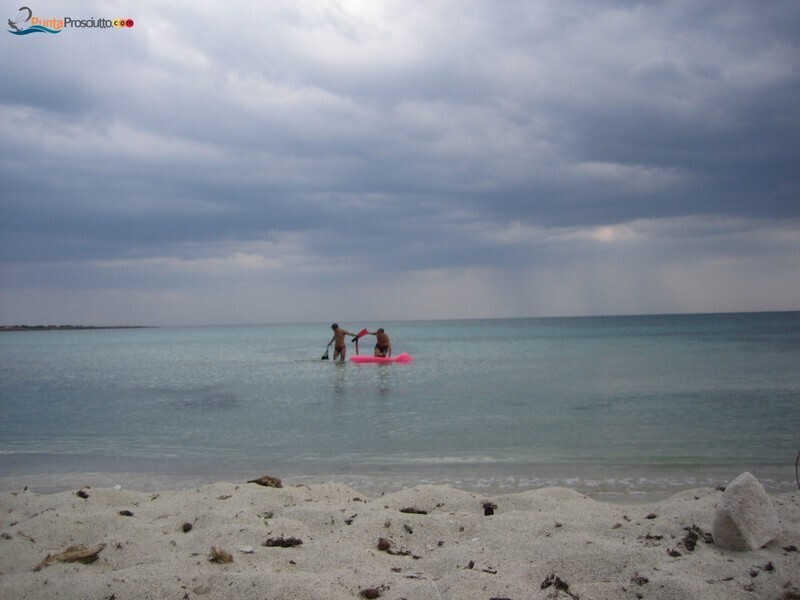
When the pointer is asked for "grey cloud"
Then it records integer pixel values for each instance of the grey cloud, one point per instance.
(396, 140)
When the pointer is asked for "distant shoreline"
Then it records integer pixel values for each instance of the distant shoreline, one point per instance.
(67, 327)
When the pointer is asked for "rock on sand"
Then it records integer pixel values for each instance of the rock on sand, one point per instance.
(745, 519)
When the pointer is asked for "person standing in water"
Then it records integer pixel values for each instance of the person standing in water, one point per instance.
(383, 346)
(338, 341)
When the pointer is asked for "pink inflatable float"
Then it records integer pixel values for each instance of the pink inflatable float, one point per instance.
(400, 358)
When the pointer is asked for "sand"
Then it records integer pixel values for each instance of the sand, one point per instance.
(330, 541)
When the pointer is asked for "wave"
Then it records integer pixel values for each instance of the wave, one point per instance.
(35, 29)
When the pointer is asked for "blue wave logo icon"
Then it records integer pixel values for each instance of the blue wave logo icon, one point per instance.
(35, 29)
(18, 24)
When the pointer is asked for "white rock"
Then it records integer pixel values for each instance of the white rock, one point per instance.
(745, 519)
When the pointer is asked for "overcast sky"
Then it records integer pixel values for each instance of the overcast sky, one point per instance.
(366, 161)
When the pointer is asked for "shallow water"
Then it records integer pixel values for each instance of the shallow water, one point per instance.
(604, 405)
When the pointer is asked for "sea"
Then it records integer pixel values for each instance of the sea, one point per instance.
(617, 407)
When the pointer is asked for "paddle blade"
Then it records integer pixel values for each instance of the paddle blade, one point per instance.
(325, 356)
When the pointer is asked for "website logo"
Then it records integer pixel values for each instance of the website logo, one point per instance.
(21, 25)
(25, 23)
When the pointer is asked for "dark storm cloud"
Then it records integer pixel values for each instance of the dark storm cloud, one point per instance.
(290, 143)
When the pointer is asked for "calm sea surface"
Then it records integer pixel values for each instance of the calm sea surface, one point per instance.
(606, 405)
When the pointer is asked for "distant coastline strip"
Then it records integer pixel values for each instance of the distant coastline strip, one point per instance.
(67, 327)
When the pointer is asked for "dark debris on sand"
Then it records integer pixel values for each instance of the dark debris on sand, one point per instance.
(556, 582)
(268, 481)
(281, 542)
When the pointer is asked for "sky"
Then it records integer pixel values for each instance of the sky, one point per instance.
(369, 161)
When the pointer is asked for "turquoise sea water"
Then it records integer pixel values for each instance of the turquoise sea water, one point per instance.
(606, 405)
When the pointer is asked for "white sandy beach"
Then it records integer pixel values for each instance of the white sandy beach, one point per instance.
(547, 543)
